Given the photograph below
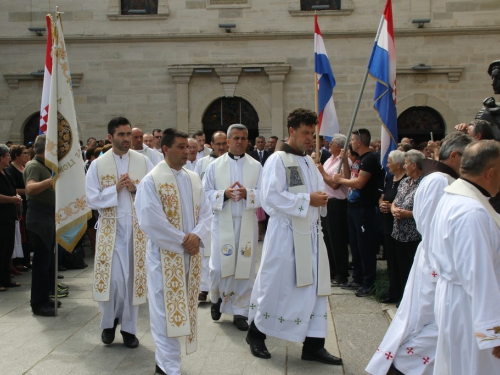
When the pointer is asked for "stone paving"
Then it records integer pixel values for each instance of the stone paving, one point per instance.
(70, 343)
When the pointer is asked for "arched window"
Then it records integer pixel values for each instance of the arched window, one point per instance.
(32, 128)
(418, 122)
(224, 112)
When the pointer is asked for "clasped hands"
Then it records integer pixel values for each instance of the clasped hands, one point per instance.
(236, 192)
(399, 213)
(191, 243)
(125, 182)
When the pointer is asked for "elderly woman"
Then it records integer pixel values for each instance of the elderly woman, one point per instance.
(404, 229)
(395, 163)
(19, 156)
(335, 228)
(9, 202)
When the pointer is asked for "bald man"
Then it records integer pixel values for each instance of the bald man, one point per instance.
(138, 145)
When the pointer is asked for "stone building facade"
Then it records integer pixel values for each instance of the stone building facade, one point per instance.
(168, 69)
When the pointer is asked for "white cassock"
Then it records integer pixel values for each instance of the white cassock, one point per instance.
(465, 242)
(410, 341)
(235, 294)
(162, 234)
(285, 311)
(205, 152)
(190, 165)
(205, 260)
(122, 269)
(153, 156)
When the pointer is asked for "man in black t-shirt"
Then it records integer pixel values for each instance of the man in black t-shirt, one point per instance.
(361, 213)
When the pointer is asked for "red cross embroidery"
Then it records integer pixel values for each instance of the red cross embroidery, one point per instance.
(426, 360)
(409, 350)
(434, 274)
(388, 355)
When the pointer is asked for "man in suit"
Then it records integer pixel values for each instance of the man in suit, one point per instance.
(260, 154)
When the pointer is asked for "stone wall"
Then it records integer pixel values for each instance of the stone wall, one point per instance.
(125, 63)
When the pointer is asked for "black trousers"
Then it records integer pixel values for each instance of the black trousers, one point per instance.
(42, 272)
(395, 291)
(364, 244)
(336, 239)
(311, 344)
(405, 252)
(7, 238)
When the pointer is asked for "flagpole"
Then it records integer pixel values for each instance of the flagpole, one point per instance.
(356, 108)
(56, 248)
(315, 8)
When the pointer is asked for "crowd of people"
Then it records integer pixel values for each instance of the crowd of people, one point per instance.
(180, 219)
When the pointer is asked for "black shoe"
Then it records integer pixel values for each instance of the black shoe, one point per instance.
(52, 303)
(108, 334)
(160, 371)
(202, 296)
(364, 292)
(258, 348)
(351, 286)
(335, 283)
(322, 356)
(44, 311)
(129, 340)
(60, 277)
(241, 324)
(215, 310)
(388, 300)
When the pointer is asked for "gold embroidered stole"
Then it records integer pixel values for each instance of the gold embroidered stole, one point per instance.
(466, 189)
(107, 173)
(232, 263)
(181, 302)
(302, 232)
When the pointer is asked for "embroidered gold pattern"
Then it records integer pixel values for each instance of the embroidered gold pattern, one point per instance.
(194, 282)
(140, 278)
(104, 251)
(71, 209)
(174, 289)
(170, 201)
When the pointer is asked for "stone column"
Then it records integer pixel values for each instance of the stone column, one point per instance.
(277, 77)
(181, 77)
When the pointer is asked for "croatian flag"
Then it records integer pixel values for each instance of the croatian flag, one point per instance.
(327, 116)
(47, 76)
(382, 67)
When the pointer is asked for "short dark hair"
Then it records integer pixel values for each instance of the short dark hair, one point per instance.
(301, 116)
(116, 122)
(169, 136)
(217, 132)
(260, 137)
(89, 138)
(274, 137)
(198, 133)
(364, 135)
(482, 127)
(16, 151)
(478, 156)
(157, 130)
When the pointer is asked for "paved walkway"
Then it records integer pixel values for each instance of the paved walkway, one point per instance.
(70, 343)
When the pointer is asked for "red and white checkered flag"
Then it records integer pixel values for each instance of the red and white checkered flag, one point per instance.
(44, 110)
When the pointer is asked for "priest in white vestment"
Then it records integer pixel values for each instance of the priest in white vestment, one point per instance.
(289, 298)
(191, 160)
(174, 213)
(219, 147)
(465, 246)
(232, 184)
(119, 272)
(139, 146)
(409, 345)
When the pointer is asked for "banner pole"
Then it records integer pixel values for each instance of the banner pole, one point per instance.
(356, 108)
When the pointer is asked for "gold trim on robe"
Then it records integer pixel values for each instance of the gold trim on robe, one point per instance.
(180, 291)
(107, 173)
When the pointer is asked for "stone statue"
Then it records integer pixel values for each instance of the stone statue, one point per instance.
(491, 110)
